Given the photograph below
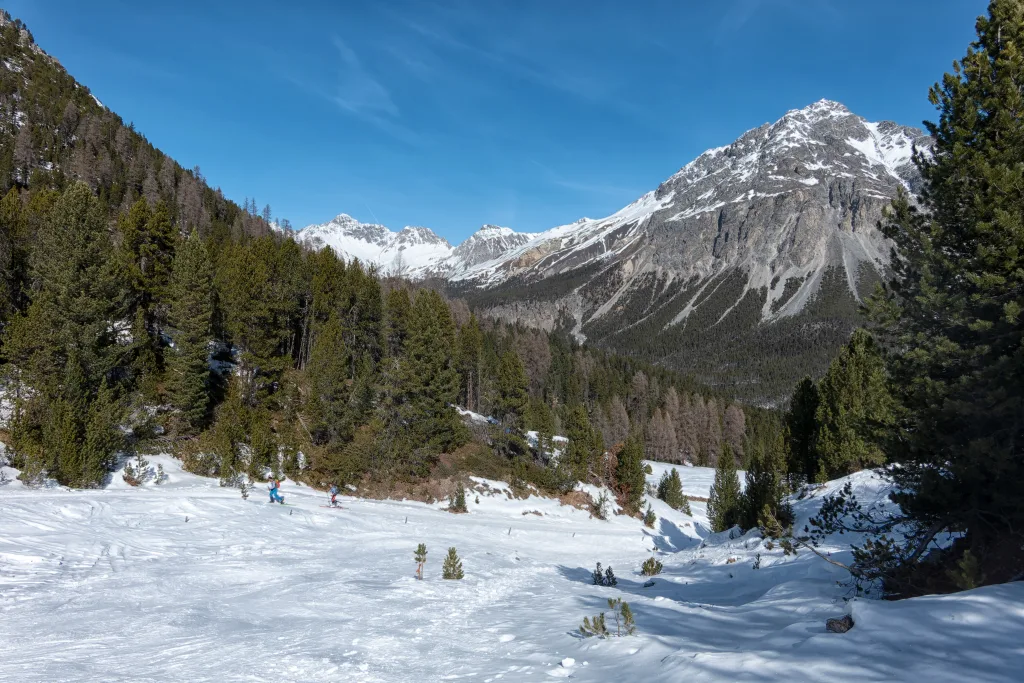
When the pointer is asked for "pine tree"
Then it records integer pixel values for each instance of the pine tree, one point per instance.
(189, 314)
(762, 496)
(457, 501)
(580, 454)
(953, 314)
(670, 490)
(541, 418)
(510, 405)
(102, 438)
(77, 297)
(421, 559)
(651, 567)
(327, 403)
(800, 420)
(470, 361)
(854, 402)
(397, 308)
(428, 382)
(650, 518)
(146, 252)
(452, 568)
(64, 348)
(629, 474)
(725, 503)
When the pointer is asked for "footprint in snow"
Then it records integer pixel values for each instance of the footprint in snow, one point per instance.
(506, 638)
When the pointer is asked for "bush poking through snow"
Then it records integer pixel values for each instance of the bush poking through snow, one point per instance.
(607, 578)
(595, 627)
(161, 476)
(245, 490)
(598, 626)
(757, 562)
(452, 568)
(651, 567)
(457, 501)
(135, 473)
(649, 517)
(967, 574)
(624, 623)
(420, 555)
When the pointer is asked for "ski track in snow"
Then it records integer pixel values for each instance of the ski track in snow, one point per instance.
(113, 584)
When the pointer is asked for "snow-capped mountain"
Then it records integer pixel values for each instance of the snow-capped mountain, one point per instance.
(759, 249)
(768, 243)
(413, 252)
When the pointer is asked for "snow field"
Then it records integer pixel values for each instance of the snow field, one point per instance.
(114, 584)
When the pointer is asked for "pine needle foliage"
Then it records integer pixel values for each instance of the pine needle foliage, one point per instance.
(651, 567)
(725, 502)
(670, 490)
(452, 568)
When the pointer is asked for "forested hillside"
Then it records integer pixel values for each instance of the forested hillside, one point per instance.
(144, 311)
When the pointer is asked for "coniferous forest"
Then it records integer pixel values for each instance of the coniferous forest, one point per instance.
(143, 310)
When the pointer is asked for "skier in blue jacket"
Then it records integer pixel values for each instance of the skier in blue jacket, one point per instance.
(334, 495)
(275, 496)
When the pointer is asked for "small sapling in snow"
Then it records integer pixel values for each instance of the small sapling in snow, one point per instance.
(649, 517)
(457, 501)
(421, 559)
(452, 568)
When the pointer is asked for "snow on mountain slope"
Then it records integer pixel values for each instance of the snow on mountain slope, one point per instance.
(187, 581)
(411, 252)
(801, 156)
(807, 148)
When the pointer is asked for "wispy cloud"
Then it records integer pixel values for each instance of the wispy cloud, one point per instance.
(739, 13)
(596, 188)
(358, 90)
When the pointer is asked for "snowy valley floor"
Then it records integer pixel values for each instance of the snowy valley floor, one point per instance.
(116, 585)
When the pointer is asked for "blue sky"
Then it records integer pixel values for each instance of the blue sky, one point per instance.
(454, 114)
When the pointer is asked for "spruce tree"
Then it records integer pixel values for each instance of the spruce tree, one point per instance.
(954, 313)
(189, 315)
(724, 503)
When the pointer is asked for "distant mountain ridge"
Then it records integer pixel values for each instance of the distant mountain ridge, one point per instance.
(414, 252)
(761, 249)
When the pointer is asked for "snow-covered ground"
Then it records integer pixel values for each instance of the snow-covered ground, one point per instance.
(187, 581)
